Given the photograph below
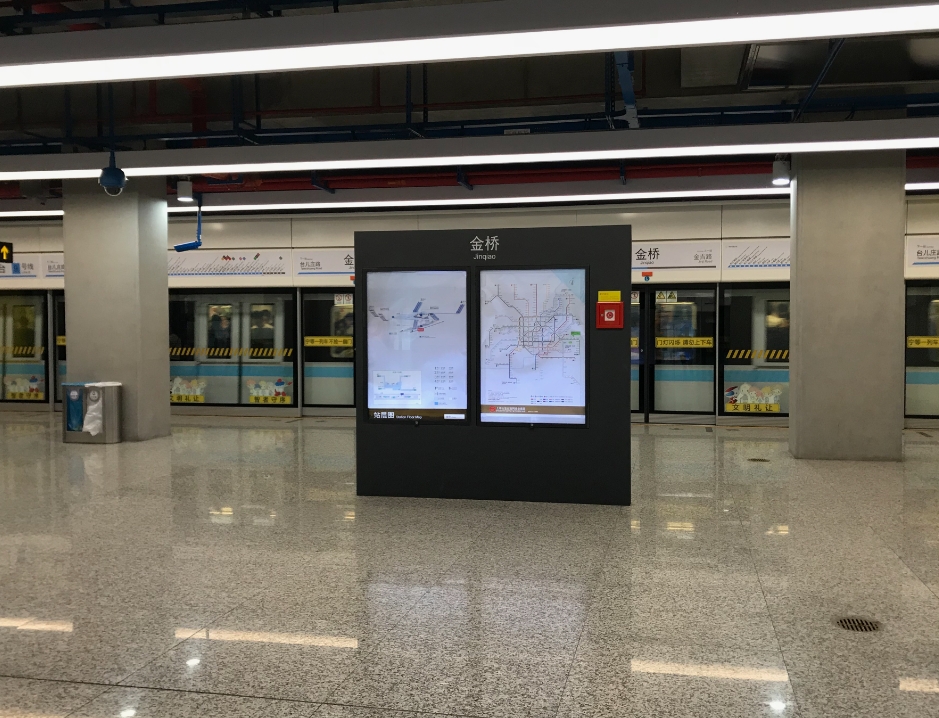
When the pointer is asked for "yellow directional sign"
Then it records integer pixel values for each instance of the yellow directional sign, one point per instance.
(327, 341)
(6, 252)
(922, 342)
(684, 342)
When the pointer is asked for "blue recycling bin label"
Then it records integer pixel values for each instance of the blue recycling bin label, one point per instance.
(74, 406)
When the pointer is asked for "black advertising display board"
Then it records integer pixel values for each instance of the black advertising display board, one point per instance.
(483, 373)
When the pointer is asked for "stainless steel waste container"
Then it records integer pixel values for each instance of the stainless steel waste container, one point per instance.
(92, 412)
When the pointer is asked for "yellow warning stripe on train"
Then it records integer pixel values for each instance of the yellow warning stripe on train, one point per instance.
(327, 341)
(219, 353)
(751, 408)
(684, 342)
(922, 342)
(22, 351)
(778, 354)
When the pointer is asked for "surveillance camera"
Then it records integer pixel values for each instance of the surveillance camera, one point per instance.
(112, 180)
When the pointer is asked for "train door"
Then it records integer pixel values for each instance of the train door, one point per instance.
(754, 352)
(673, 354)
(233, 348)
(922, 349)
(23, 368)
(59, 366)
(328, 350)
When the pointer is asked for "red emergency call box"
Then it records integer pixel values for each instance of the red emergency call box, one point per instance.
(609, 315)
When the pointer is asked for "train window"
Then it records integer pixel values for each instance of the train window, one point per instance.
(922, 349)
(23, 348)
(233, 348)
(219, 326)
(754, 350)
(328, 349)
(262, 326)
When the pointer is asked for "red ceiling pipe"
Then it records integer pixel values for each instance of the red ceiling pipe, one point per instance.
(252, 183)
(10, 190)
(47, 8)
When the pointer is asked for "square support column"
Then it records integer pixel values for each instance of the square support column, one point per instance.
(847, 337)
(116, 296)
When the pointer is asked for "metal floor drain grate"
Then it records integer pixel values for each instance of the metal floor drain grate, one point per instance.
(759, 461)
(854, 623)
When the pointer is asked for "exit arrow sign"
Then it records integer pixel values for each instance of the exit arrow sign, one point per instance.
(6, 252)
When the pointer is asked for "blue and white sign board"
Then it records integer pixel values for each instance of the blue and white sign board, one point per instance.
(231, 267)
(922, 257)
(324, 267)
(748, 260)
(23, 266)
(676, 261)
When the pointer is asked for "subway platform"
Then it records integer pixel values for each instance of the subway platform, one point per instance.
(231, 570)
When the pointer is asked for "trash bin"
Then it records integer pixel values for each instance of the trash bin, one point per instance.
(92, 412)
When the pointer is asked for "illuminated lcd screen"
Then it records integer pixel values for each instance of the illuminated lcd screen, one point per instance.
(533, 350)
(416, 346)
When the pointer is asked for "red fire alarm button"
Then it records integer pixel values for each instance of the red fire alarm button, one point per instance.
(609, 315)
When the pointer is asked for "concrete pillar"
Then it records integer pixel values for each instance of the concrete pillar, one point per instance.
(847, 306)
(116, 297)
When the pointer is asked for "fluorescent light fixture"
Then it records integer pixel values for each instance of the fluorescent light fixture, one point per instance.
(31, 213)
(915, 186)
(686, 33)
(380, 163)
(712, 670)
(193, 662)
(473, 201)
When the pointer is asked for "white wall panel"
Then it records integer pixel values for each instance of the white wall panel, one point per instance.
(922, 215)
(253, 233)
(50, 236)
(669, 222)
(25, 238)
(498, 219)
(755, 220)
(339, 231)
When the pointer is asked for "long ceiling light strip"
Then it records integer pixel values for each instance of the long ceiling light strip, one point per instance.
(768, 28)
(29, 213)
(376, 163)
(404, 204)
(485, 201)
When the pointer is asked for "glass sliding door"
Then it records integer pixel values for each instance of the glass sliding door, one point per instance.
(922, 349)
(754, 350)
(233, 348)
(672, 350)
(23, 355)
(328, 350)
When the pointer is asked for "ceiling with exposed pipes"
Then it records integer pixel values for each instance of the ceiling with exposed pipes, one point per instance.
(810, 81)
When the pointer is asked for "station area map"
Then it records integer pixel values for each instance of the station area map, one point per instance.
(417, 345)
(533, 346)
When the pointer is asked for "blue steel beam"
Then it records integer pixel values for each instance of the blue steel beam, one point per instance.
(625, 64)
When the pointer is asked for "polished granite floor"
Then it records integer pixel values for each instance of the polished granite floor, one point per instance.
(231, 571)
